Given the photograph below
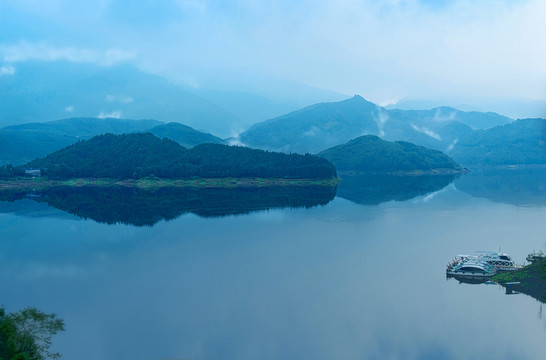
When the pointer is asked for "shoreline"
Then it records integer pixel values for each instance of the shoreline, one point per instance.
(530, 280)
(402, 173)
(154, 183)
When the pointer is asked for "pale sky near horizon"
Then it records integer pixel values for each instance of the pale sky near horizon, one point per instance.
(383, 50)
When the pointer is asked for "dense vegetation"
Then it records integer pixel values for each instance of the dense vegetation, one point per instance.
(26, 334)
(371, 154)
(9, 171)
(134, 156)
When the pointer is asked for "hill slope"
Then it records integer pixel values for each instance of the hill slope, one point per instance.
(137, 155)
(371, 154)
(184, 135)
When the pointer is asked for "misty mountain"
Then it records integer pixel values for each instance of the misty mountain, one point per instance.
(370, 154)
(45, 91)
(22, 143)
(320, 126)
(184, 135)
(265, 99)
(315, 127)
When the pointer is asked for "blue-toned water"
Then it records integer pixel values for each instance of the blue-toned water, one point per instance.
(352, 279)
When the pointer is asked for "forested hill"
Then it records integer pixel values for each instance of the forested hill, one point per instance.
(371, 154)
(133, 156)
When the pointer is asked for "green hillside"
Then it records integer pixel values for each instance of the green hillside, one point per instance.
(133, 156)
(371, 154)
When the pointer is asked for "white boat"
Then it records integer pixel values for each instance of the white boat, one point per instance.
(470, 268)
(501, 261)
(535, 256)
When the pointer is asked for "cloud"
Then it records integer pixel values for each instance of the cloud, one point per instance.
(113, 114)
(7, 70)
(381, 118)
(426, 131)
(460, 50)
(25, 51)
(452, 145)
(441, 117)
(122, 99)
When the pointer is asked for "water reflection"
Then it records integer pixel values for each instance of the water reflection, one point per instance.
(143, 207)
(516, 186)
(376, 189)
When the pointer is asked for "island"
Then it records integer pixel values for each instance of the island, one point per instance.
(144, 160)
(369, 154)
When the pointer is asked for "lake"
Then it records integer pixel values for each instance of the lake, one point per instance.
(306, 274)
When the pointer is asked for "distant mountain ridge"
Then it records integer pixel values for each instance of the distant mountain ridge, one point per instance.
(22, 143)
(313, 129)
(320, 126)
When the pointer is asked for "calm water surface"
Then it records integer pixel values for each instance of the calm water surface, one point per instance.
(352, 279)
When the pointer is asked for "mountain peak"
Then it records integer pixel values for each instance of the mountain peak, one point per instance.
(357, 99)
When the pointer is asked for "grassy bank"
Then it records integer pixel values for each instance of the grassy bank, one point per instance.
(153, 183)
(532, 280)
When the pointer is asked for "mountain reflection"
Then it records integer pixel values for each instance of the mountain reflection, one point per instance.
(139, 207)
(516, 186)
(376, 189)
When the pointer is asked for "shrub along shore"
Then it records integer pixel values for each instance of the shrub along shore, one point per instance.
(531, 280)
(154, 182)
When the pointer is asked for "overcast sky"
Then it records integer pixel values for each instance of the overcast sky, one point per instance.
(382, 50)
